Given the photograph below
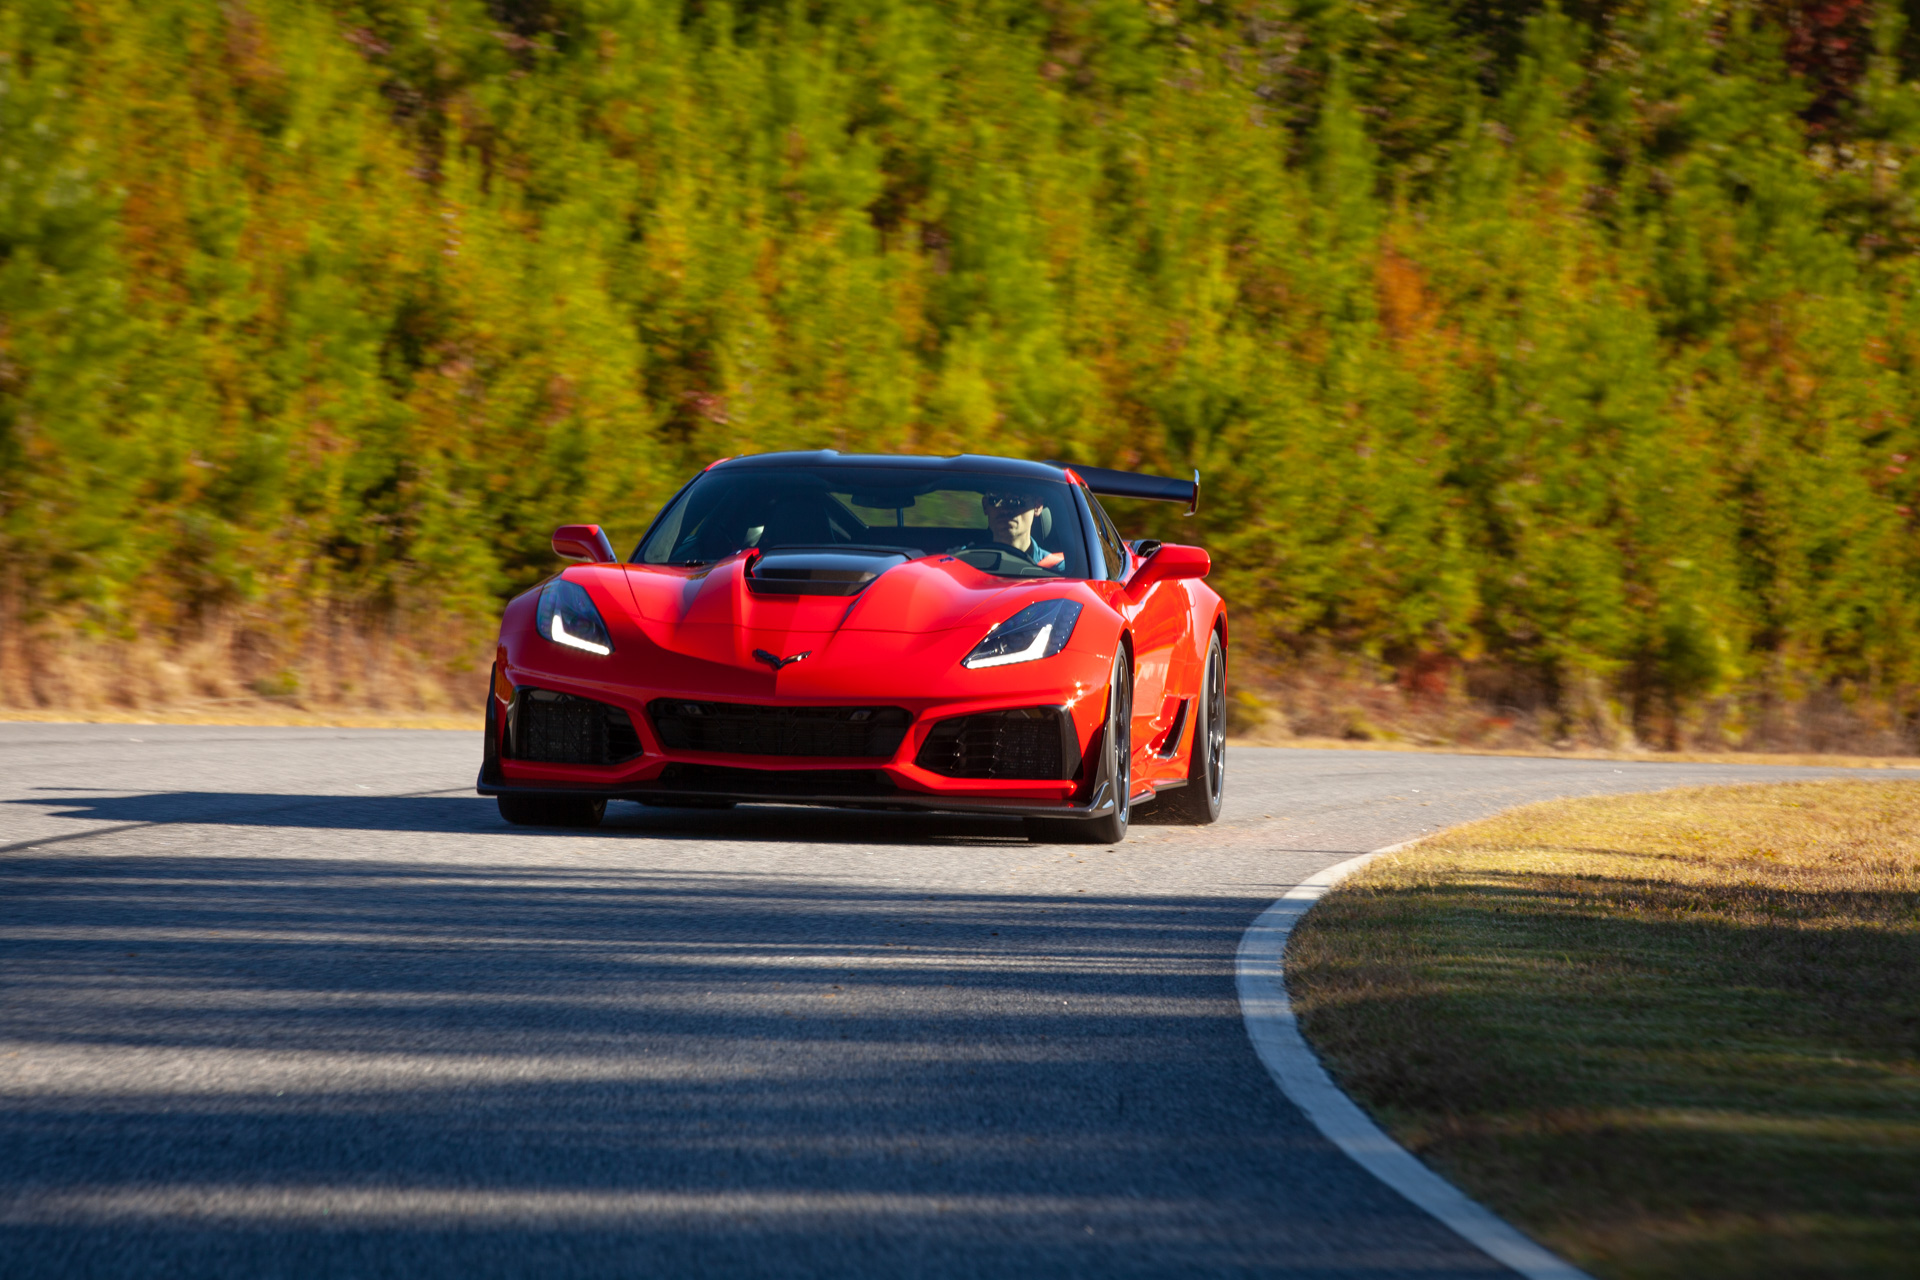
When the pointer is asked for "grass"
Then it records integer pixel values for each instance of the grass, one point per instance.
(248, 713)
(1816, 759)
(1669, 1035)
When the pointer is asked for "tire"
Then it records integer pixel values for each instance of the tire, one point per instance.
(1198, 803)
(552, 811)
(1116, 768)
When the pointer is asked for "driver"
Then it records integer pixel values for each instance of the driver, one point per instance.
(1010, 514)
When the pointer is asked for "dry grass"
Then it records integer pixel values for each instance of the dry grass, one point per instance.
(336, 671)
(1540, 750)
(1670, 1035)
(341, 670)
(1487, 707)
(246, 713)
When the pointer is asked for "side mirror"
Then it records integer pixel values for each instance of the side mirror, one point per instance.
(1169, 563)
(583, 542)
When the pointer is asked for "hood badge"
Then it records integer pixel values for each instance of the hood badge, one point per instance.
(761, 655)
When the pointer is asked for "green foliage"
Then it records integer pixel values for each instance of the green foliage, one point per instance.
(1568, 346)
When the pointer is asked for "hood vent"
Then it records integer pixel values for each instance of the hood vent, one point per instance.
(822, 571)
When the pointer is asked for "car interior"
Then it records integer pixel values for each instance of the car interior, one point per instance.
(795, 511)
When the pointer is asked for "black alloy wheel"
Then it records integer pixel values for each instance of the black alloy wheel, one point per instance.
(1116, 768)
(1198, 802)
(552, 811)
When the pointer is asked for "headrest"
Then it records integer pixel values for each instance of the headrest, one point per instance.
(1043, 524)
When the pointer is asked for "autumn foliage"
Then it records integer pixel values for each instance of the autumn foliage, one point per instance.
(1560, 360)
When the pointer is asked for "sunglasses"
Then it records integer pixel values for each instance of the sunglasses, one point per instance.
(1017, 501)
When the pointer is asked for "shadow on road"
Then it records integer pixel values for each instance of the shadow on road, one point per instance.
(478, 815)
(242, 1064)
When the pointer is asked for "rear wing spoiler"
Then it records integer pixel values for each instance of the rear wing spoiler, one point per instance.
(1132, 484)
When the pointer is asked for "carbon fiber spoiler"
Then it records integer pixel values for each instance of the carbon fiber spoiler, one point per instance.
(1133, 484)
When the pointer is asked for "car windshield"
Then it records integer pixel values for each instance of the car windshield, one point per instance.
(1006, 525)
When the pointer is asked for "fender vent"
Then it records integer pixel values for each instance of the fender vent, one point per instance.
(557, 728)
(1027, 742)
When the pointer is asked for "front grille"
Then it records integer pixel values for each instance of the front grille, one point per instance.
(799, 783)
(1029, 742)
(558, 728)
(733, 728)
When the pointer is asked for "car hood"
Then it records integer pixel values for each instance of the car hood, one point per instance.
(713, 615)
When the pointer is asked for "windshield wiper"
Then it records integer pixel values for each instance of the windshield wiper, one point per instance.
(689, 564)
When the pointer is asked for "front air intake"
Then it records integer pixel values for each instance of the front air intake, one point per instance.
(800, 784)
(734, 728)
(545, 727)
(1027, 742)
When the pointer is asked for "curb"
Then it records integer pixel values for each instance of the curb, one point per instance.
(1260, 976)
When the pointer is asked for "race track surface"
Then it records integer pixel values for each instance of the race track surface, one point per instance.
(284, 1002)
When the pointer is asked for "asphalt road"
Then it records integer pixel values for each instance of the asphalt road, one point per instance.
(282, 1002)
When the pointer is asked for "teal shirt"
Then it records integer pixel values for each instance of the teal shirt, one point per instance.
(1044, 558)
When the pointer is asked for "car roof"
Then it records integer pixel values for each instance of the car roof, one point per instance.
(959, 463)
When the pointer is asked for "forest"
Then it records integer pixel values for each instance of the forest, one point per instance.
(1550, 366)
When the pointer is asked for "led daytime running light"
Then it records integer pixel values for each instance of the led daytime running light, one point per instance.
(1037, 631)
(560, 636)
(1028, 654)
(567, 617)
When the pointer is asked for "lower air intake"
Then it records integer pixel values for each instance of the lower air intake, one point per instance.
(558, 728)
(798, 783)
(734, 728)
(1029, 742)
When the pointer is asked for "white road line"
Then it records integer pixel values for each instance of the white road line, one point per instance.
(1260, 973)
(281, 1204)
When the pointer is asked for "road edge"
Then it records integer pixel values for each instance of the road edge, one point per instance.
(1260, 979)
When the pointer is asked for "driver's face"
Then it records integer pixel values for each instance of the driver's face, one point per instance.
(1010, 517)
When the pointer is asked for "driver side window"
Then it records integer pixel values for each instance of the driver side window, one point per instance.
(1111, 545)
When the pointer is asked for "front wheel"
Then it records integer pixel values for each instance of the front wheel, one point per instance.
(1199, 801)
(1116, 767)
(552, 811)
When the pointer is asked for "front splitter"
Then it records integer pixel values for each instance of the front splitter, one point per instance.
(1100, 807)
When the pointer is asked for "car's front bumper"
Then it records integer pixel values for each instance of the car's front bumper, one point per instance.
(1100, 805)
(1074, 683)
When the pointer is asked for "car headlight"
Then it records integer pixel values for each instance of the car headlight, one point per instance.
(567, 617)
(1037, 631)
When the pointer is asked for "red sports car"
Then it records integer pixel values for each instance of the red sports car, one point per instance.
(967, 634)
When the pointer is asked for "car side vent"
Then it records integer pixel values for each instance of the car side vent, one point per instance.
(1028, 742)
(559, 728)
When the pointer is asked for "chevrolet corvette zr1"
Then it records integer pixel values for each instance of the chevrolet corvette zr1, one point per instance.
(968, 634)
